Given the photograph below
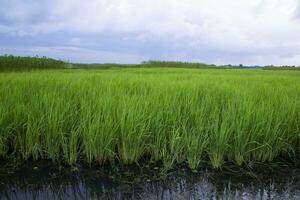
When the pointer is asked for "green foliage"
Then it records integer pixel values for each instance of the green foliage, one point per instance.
(284, 67)
(145, 64)
(170, 115)
(174, 64)
(18, 63)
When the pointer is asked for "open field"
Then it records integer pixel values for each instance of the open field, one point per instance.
(165, 114)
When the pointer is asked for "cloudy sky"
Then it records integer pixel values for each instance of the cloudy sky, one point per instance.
(252, 32)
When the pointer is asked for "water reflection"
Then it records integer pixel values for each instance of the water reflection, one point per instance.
(44, 181)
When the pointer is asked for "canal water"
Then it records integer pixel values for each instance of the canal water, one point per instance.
(43, 180)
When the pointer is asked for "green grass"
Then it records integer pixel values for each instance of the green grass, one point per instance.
(171, 115)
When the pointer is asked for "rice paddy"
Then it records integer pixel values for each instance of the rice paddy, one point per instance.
(169, 115)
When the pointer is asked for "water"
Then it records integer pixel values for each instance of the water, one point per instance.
(43, 180)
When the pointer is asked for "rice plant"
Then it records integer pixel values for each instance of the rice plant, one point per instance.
(172, 115)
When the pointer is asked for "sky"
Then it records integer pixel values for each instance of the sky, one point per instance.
(249, 32)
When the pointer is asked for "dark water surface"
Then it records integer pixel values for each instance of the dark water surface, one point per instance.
(43, 180)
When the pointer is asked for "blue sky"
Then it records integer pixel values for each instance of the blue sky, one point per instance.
(251, 32)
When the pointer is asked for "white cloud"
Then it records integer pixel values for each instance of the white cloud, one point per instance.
(255, 27)
(75, 41)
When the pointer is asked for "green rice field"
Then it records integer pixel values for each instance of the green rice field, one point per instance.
(168, 115)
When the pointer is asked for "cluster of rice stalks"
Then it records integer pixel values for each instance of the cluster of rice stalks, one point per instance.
(169, 115)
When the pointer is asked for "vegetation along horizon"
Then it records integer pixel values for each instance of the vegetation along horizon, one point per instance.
(174, 113)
